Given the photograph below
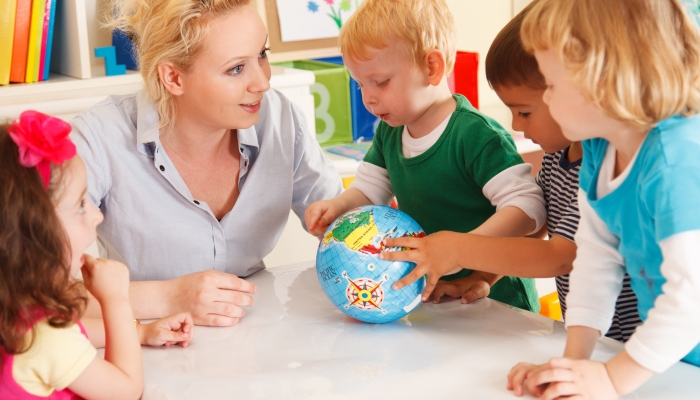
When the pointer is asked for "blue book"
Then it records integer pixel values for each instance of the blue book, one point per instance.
(49, 40)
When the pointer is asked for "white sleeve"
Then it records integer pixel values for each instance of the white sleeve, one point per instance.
(515, 187)
(373, 182)
(596, 280)
(672, 328)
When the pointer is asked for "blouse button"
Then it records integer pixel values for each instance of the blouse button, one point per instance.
(162, 168)
(196, 202)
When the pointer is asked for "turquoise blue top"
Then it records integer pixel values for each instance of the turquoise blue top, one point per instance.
(659, 198)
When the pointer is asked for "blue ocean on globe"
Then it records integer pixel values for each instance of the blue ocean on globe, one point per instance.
(351, 273)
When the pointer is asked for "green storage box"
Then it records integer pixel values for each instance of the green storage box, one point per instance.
(331, 100)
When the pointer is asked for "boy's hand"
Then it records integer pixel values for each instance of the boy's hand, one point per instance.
(105, 279)
(434, 255)
(168, 331)
(470, 288)
(321, 214)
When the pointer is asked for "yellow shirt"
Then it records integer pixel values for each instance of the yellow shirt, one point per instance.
(57, 357)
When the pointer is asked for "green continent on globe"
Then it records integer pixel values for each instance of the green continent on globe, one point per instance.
(357, 231)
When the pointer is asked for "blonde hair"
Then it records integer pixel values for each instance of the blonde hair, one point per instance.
(421, 25)
(167, 31)
(637, 60)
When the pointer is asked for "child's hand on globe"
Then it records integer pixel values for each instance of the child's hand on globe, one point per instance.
(320, 215)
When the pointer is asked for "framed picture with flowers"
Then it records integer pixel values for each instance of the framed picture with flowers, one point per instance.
(305, 28)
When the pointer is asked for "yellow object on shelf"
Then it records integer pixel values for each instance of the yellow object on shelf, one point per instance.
(550, 306)
(347, 181)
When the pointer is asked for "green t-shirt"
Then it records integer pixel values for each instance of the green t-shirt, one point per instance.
(442, 189)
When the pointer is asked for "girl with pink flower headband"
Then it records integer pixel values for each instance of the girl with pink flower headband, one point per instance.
(46, 222)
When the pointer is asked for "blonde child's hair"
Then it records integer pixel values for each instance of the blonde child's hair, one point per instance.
(167, 31)
(637, 60)
(421, 25)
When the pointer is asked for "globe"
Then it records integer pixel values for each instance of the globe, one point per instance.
(353, 276)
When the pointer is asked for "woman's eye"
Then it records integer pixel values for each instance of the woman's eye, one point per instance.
(236, 70)
(263, 54)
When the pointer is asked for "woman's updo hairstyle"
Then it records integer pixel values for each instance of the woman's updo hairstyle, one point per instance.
(166, 31)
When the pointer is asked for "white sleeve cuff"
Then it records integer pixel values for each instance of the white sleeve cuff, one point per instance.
(373, 182)
(515, 187)
(672, 327)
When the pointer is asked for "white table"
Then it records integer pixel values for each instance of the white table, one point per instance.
(294, 344)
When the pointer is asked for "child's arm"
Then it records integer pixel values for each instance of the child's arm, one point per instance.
(163, 332)
(120, 373)
(371, 186)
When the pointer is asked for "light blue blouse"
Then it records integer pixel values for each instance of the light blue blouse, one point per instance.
(154, 225)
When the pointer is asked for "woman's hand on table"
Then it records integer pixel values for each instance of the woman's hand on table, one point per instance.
(434, 255)
(213, 298)
(175, 329)
(469, 289)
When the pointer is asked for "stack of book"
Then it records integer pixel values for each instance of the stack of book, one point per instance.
(26, 37)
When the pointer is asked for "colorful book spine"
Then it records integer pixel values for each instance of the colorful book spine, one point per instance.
(49, 40)
(35, 36)
(21, 41)
(44, 37)
(7, 32)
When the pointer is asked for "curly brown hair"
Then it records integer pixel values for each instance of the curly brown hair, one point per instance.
(35, 280)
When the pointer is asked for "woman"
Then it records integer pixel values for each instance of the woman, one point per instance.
(197, 173)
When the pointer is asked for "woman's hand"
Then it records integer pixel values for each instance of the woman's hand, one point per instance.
(168, 331)
(212, 298)
(319, 215)
(105, 279)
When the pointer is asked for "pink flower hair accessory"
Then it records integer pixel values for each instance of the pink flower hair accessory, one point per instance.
(42, 141)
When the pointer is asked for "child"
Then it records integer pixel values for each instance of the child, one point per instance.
(514, 75)
(46, 222)
(632, 95)
(449, 166)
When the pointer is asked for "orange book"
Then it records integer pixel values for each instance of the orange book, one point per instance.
(21, 41)
(7, 31)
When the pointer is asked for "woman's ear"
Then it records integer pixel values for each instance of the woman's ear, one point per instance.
(171, 78)
(435, 62)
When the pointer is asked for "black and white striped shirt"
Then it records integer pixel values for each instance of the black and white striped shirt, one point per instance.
(559, 181)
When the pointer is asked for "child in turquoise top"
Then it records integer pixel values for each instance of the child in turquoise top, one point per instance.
(449, 166)
(632, 96)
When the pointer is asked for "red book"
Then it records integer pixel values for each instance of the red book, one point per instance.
(44, 36)
(21, 41)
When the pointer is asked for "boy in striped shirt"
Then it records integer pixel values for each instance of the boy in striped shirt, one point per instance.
(514, 75)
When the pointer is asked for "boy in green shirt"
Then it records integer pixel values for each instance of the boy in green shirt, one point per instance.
(450, 167)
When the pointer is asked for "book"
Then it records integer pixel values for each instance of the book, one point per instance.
(355, 151)
(44, 37)
(20, 41)
(49, 40)
(7, 32)
(36, 30)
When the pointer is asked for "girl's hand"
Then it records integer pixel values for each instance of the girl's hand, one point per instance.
(319, 215)
(520, 374)
(105, 279)
(565, 378)
(168, 331)
(434, 255)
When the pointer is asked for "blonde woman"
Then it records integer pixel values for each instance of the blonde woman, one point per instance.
(196, 174)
